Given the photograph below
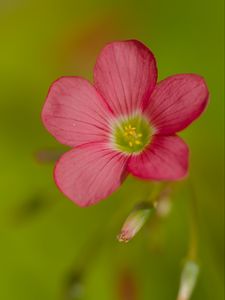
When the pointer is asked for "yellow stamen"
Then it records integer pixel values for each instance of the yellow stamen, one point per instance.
(132, 136)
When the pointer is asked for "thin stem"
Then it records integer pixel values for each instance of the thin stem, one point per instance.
(190, 270)
(160, 192)
(193, 243)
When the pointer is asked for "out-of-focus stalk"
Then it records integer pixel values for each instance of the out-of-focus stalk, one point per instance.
(128, 288)
(46, 156)
(74, 287)
(190, 271)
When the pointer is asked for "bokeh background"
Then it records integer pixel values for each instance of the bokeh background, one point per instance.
(51, 249)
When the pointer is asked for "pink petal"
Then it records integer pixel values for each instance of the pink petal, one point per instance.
(74, 113)
(125, 75)
(176, 102)
(90, 173)
(165, 159)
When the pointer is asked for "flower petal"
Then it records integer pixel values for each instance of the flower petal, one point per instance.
(165, 159)
(90, 173)
(74, 113)
(176, 102)
(125, 75)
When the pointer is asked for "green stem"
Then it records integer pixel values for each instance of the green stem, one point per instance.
(193, 242)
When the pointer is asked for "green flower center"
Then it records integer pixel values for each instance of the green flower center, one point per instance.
(132, 134)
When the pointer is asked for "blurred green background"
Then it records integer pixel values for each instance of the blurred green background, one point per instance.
(50, 248)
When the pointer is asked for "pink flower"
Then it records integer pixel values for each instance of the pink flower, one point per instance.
(124, 123)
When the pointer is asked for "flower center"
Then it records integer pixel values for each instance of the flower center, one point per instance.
(132, 134)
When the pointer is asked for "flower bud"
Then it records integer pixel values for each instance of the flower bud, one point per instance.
(134, 222)
(163, 207)
(163, 204)
(188, 281)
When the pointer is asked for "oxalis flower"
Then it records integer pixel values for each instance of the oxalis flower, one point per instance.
(124, 123)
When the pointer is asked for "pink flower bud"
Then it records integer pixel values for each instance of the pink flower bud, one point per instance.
(134, 222)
